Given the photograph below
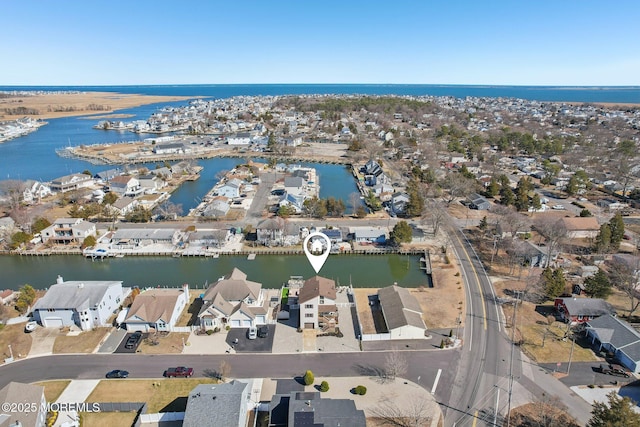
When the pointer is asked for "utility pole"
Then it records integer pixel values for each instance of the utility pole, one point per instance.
(513, 344)
(573, 343)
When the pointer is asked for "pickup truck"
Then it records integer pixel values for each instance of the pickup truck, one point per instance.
(180, 371)
(613, 370)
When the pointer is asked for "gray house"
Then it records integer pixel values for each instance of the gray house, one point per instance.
(309, 409)
(478, 202)
(617, 337)
(18, 395)
(84, 304)
(214, 405)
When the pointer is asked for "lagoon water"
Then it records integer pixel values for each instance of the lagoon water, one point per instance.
(271, 270)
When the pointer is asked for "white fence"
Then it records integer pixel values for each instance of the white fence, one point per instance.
(184, 328)
(376, 337)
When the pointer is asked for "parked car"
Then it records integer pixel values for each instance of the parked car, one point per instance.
(613, 369)
(263, 331)
(252, 333)
(180, 371)
(558, 207)
(133, 340)
(30, 326)
(117, 373)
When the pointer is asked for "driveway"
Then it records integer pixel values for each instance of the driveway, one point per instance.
(42, 341)
(114, 340)
(121, 347)
(245, 345)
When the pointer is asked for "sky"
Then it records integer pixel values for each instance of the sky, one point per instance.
(481, 42)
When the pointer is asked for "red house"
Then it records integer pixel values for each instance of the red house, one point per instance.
(579, 310)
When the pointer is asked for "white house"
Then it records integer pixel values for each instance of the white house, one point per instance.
(369, 234)
(85, 304)
(124, 205)
(171, 148)
(294, 201)
(35, 191)
(402, 313)
(157, 309)
(230, 189)
(317, 300)
(71, 182)
(125, 185)
(243, 138)
(151, 183)
(216, 209)
(68, 230)
(294, 185)
(233, 301)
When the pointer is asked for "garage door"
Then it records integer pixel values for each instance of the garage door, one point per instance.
(246, 323)
(235, 324)
(137, 327)
(261, 320)
(53, 322)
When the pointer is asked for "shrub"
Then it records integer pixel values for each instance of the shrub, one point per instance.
(442, 344)
(360, 390)
(209, 332)
(216, 329)
(324, 386)
(450, 333)
(308, 378)
(228, 328)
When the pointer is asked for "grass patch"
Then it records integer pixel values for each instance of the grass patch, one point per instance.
(19, 340)
(53, 389)
(168, 395)
(163, 344)
(107, 419)
(85, 342)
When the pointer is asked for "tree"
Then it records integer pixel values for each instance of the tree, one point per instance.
(361, 211)
(483, 224)
(39, 224)
(271, 143)
(89, 241)
(285, 211)
(415, 413)
(616, 224)
(507, 198)
(603, 239)
(624, 278)
(109, 198)
(493, 189)
(553, 282)
(334, 207)
(168, 210)
(308, 378)
(598, 285)
(618, 412)
(139, 214)
(585, 213)
(456, 186)
(373, 202)
(415, 205)
(554, 232)
(19, 238)
(315, 207)
(26, 298)
(354, 202)
(401, 233)
(395, 365)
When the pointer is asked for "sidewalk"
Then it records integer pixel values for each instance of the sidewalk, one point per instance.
(76, 392)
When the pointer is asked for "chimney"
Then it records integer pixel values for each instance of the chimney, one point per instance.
(59, 279)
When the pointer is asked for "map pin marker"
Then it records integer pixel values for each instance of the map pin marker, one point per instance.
(317, 247)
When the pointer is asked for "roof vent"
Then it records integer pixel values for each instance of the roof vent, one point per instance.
(80, 285)
(59, 279)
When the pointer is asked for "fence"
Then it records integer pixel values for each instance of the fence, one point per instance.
(184, 328)
(376, 337)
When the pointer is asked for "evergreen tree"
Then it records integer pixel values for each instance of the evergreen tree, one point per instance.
(483, 224)
(585, 213)
(535, 202)
(401, 233)
(553, 282)
(603, 239)
(493, 189)
(415, 206)
(598, 285)
(506, 196)
(616, 224)
(617, 413)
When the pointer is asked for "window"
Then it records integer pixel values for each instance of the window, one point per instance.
(308, 306)
(321, 300)
(308, 315)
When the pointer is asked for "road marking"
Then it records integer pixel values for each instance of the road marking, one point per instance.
(475, 418)
(435, 383)
(475, 273)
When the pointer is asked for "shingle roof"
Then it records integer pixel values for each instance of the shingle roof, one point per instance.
(587, 306)
(317, 286)
(75, 294)
(234, 287)
(309, 409)
(618, 333)
(589, 223)
(154, 305)
(400, 308)
(216, 405)
(19, 393)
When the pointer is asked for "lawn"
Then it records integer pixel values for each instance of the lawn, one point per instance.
(53, 389)
(19, 340)
(107, 419)
(164, 395)
(85, 342)
(163, 344)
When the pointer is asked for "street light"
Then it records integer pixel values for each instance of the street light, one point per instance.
(513, 344)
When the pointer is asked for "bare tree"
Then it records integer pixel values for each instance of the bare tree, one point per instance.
(624, 278)
(414, 413)
(224, 370)
(554, 232)
(457, 186)
(11, 193)
(395, 364)
(169, 210)
(435, 215)
(511, 222)
(354, 202)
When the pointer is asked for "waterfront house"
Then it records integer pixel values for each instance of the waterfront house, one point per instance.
(293, 201)
(65, 231)
(107, 175)
(71, 182)
(208, 238)
(576, 310)
(85, 304)
(373, 174)
(151, 183)
(8, 296)
(299, 408)
(125, 185)
(369, 234)
(402, 313)
(163, 172)
(243, 138)
(230, 189)
(271, 231)
(294, 185)
(581, 227)
(213, 405)
(30, 398)
(132, 238)
(217, 208)
(399, 202)
(233, 301)
(34, 191)
(317, 300)
(157, 309)
(171, 148)
(617, 337)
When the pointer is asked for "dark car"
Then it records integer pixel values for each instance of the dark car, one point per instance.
(614, 369)
(133, 340)
(117, 373)
(263, 331)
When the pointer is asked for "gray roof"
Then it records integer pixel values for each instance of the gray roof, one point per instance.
(233, 287)
(293, 181)
(400, 308)
(19, 393)
(144, 233)
(75, 294)
(309, 409)
(369, 232)
(618, 333)
(587, 306)
(216, 405)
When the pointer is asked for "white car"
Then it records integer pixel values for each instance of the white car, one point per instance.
(30, 326)
(558, 207)
(252, 333)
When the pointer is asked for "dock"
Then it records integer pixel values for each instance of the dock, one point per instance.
(425, 262)
(251, 257)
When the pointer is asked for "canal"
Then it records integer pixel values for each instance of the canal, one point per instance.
(271, 270)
